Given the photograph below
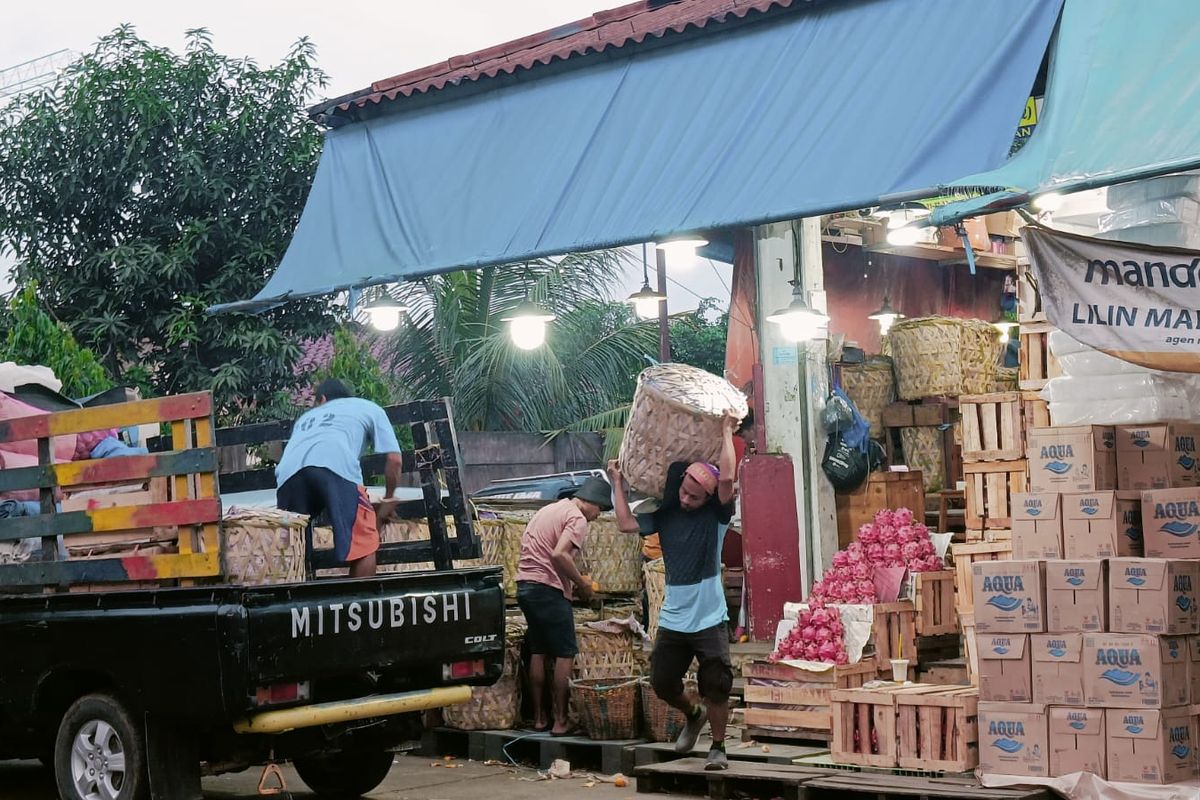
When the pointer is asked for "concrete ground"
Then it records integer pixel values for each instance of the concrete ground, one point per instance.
(411, 778)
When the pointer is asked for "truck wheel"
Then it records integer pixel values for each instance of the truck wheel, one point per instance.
(344, 775)
(99, 753)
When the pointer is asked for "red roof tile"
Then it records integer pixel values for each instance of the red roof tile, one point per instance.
(604, 30)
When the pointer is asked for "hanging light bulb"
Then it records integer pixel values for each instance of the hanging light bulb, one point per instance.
(681, 250)
(646, 300)
(797, 321)
(527, 325)
(903, 237)
(384, 312)
(1004, 326)
(885, 316)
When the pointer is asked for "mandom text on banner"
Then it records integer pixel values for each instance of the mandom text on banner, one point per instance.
(1135, 302)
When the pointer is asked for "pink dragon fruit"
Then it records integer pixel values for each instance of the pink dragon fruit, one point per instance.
(862, 572)
(891, 553)
(828, 651)
(822, 616)
(910, 551)
(842, 657)
(868, 534)
(885, 518)
(903, 516)
(865, 589)
(875, 553)
(823, 634)
(840, 558)
(812, 651)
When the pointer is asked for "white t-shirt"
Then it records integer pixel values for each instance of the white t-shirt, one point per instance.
(334, 435)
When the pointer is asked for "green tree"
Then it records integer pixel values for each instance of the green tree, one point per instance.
(698, 337)
(32, 337)
(147, 185)
(455, 343)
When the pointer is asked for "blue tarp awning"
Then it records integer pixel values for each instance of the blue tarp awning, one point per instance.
(1122, 102)
(834, 106)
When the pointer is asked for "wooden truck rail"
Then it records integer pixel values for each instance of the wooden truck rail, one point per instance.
(191, 510)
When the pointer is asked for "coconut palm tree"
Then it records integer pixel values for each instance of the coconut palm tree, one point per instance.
(455, 343)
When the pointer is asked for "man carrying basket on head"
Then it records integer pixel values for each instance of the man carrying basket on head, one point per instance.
(697, 505)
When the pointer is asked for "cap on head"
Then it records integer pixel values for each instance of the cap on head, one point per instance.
(597, 492)
(333, 389)
(704, 474)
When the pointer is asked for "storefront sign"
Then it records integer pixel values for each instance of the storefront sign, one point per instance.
(1135, 302)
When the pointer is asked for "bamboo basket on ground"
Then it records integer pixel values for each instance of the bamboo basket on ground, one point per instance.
(608, 707)
(655, 575)
(495, 707)
(923, 451)
(676, 416)
(263, 546)
(944, 356)
(661, 722)
(613, 558)
(871, 386)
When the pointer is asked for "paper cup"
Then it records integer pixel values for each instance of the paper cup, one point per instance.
(941, 543)
(900, 670)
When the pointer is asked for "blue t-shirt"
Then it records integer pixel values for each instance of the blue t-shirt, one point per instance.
(334, 435)
(691, 544)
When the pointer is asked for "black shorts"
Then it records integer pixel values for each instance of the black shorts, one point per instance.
(316, 490)
(673, 654)
(551, 621)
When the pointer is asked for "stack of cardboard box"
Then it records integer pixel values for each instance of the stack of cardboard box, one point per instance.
(1089, 640)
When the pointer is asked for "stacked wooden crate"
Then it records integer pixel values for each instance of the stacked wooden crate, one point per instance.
(994, 464)
(911, 726)
(790, 702)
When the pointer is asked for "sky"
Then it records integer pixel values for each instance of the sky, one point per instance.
(357, 42)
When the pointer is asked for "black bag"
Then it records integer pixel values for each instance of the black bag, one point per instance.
(845, 466)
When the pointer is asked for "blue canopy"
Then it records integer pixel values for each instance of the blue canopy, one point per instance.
(1121, 104)
(833, 106)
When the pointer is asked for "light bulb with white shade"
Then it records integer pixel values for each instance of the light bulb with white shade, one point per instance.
(681, 252)
(527, 325)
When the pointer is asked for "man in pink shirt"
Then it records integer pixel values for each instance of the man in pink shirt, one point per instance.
(547, 579)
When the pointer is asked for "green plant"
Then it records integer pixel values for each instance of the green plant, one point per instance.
(32, 337)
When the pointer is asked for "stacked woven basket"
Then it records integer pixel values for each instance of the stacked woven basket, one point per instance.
(871, 387)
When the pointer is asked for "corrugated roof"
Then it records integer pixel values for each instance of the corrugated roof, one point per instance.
(605, 30)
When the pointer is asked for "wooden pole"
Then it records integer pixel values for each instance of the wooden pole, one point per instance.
(664, 331)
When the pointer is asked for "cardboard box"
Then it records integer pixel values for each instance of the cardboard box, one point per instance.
(1151, 746)
(1157, 456)
(1135, 670)
(1057, 660)
(1004, 223)
(1010, 596)
(1171, 523)
(1129, 510)
(1153, 595)
(1194, 653)
(1037, 526)
(1092, 526)
(1076, 596)
(1013, 739)
(1077, 741)
(1004, 668)
(1082, 458)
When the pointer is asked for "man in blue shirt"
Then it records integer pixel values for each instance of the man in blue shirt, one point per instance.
(320, 470)
(697, 505)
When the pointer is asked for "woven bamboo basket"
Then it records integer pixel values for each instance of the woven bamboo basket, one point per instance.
(263, 546)
(675, 416)
(613, 558)
(944, 356)
(655, 573)
(604, 655)
(1006, 379)
(923, 451)
(495, 707)
(661, 722)
(871, 387)
(608, 707)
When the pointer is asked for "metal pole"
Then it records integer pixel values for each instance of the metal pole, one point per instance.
(664, 332)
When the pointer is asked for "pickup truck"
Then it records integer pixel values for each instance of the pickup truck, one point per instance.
(133, 674)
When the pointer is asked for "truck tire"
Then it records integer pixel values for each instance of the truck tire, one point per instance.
(99, 752)
(346, 774)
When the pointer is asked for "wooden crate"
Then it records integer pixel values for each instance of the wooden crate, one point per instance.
(970, 646)
(938, 730)
(964, 555)
(783, 696)
(865, 724)
(894, 635)
(1035, 412)
(990, 487)
(881, 490)
(933, 601)
(992, 427)
(1037, 365)
(947, 672)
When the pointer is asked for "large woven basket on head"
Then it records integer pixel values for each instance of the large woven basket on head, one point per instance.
(676, 416)
(923, 451)
(661, 722)
(608, 707)
(495, 707)
(871, 387)
(655, 575)
(613, 558)
(263, 546)
(603, 654)
(943, 356)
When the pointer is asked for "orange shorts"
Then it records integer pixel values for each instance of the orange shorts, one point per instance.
(364, 536)
(316, 490)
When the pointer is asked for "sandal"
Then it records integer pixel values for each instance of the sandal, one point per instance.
(576, 731)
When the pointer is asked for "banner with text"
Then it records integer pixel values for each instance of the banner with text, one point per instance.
(1133, 301)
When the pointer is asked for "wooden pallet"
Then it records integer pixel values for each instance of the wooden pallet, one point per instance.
(938, 731)
(750, 750)
(963, 556)
(688, 776)
(933, 600)
(1037, 365)
(992, 427)
(540, 749)
(854, 786)
(990, 487)
(894, 634)
(795, 700)
(1035, 412)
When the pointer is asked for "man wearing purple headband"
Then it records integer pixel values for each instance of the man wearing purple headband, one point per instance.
(697, 505)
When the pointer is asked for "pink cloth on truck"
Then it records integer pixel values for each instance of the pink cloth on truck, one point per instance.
(12, 408)
(86, 442)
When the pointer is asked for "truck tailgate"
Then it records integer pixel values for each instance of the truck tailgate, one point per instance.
(394, 623)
